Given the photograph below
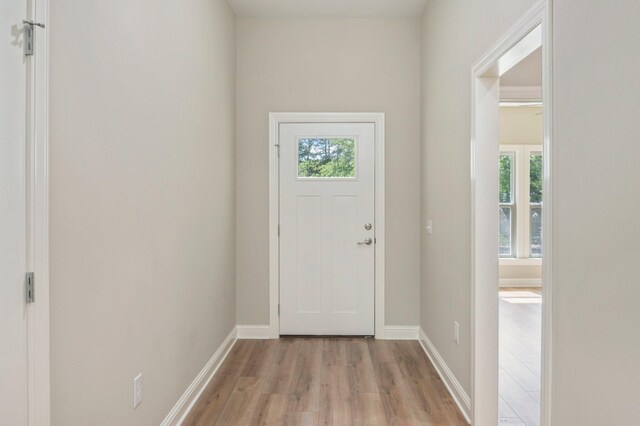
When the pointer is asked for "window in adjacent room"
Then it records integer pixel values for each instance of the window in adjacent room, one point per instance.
(520, 197)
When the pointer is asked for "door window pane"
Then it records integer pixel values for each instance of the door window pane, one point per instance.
(326, 157)
(506, 234)
(507, 164)
(536, 231)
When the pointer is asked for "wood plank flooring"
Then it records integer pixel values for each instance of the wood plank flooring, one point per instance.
(520, 349)
(325, 381)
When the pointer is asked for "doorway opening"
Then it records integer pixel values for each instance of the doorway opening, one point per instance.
(520, 192)
(512, 225)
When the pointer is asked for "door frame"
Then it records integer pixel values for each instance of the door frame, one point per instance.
(485, 98)
(38, 337)
(277, 118)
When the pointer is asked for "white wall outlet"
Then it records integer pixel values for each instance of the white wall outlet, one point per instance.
(137, 390)
(429, 227)
(456, 332)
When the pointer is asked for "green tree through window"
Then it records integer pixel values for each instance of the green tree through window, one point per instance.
(326, 157)
(535, 178)
(506, 199)
(535, 206)
(506, 164)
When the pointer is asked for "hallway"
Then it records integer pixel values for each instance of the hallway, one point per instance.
(185, 182)
(339, 381)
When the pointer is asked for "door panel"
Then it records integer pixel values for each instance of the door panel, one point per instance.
(344, 255)
(326, 199)
(13, 324)
(308, 254)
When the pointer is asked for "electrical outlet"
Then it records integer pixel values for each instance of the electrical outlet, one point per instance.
(137, 390)
(456, 332)
(429, 227)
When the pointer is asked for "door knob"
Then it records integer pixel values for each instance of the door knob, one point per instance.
(367, 241)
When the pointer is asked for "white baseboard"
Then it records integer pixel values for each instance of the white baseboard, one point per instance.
(401, 332)
(520, 282)
(179, 412)
(458, 394)
(254, 332)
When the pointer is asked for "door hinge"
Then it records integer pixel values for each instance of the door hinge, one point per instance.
(278, 230)
(278, 309)
(29, 38)
(30, 295)
(277, 149)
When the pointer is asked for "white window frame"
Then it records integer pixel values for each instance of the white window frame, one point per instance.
(522, 205)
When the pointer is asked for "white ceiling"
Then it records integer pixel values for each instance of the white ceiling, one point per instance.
(327, 8)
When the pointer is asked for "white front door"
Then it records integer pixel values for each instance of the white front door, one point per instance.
(13, 215)
(327, 228)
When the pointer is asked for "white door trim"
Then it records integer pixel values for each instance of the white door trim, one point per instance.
(275, 119)
(484, 306)
(38, 220)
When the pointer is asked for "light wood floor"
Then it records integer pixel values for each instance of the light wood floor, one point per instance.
(520, 348)
(337, 381)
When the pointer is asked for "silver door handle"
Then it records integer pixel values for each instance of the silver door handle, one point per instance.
(366, 241)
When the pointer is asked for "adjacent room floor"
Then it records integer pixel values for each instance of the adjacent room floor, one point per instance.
(338, 381)
(520, 348)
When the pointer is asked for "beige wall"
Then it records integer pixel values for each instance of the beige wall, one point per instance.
(596, 343)
(522, 272)
(455, 35)
(330, 65)
(142, 202)
(521, 125)
(597, 199)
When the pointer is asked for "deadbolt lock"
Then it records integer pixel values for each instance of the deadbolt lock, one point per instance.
(367, 227)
